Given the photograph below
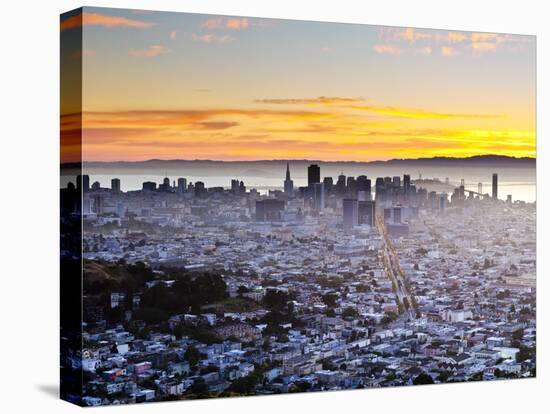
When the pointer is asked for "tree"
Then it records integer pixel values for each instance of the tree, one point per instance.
(517, 335)
(275, 299)
(478, 376)
(330, 299)
(525, 353)
(443, 376)
(389, 317)
(349, 312)
(245, 385)
(242, 289)
(199, 387)
(192, 355)
(390, 377)
(423, 379)
(300, 386)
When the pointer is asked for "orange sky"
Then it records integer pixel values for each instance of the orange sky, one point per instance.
(173, 85)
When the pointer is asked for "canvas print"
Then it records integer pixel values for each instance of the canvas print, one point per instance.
(255, 206)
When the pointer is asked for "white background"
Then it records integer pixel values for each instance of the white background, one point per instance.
(29, 148)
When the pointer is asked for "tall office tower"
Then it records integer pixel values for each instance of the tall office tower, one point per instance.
(149, 186)
(361, 183)
(461, 191)
(432, 199)
(115, 185)
(366, 212)
(397, 214)
(327, 181)
(83, 183)
(318, 196)
(442, 201)
(480, 188)
(341, 184)
(351, 186)
(86, 204)
(96, 185)
(289, 184)
(200, 189)
(368, 189)
(396, 181)
(120, 210)
(235, 186)
(182, 185)
(406, 183)
(97, 203)
(313, 175)
(379, 188)
(242, 187)
(495, 186)
(165, 186)
(350, 209)
(269, 209)
(387, 182)
(421, 196)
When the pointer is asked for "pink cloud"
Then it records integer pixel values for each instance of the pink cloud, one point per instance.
(96, 19)
(151, 51)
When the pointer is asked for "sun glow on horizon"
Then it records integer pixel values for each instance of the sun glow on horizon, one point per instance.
(152, 90)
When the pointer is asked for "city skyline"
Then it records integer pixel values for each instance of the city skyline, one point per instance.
(307, 93)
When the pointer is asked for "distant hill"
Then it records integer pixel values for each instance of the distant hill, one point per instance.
(478, 160)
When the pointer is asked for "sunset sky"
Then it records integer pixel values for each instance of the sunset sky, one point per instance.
(190, 86)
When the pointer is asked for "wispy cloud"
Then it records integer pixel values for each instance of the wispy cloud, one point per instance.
(426, 51)
(336, 130)
(447, 51)
(151, 51)
(387, 49)
(231, 23)
(191, 117)
(410, 34)
(103, 20)
(456, 37)
(400, 41)
(480, 48)
(216, 125)
(358, 104)
(327, 100)
(211, 38)
(419, 114)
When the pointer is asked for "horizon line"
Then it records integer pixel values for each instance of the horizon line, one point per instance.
(306, 160)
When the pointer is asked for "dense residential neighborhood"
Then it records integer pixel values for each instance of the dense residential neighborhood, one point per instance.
(194, 292)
